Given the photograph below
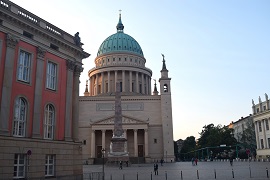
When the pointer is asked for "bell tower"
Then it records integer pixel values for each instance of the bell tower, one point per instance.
(166, 113)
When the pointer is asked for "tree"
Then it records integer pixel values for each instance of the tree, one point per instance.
(189, 145)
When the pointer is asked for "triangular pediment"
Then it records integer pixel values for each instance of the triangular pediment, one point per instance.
(125, 120)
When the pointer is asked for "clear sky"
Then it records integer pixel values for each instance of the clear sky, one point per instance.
(217, 52)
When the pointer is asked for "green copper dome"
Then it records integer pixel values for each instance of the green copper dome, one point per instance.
(120, 42)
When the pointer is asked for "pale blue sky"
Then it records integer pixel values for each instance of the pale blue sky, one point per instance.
(217, 52)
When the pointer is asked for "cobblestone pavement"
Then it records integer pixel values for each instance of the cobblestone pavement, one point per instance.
(172, 171)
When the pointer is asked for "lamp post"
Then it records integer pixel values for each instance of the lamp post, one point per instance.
(103, 154)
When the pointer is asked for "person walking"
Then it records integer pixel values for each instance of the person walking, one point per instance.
(231, 160)
(120, 165)
(196, 161)
(155, 168)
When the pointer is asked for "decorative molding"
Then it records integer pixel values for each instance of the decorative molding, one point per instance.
(41, 53)
(125, 106)
(70, 65)
(125, 120)
(12, 40)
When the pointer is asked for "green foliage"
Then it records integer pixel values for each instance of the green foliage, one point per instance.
(248, 137)
(189, 144)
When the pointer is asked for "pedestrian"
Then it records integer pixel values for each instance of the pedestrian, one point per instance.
(231, 160)
(192, 161)
(155, 168)
(120, 165)
(161, 162)
(196, 161)
(127, 163)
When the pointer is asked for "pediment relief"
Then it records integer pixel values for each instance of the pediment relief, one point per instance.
(125, 120)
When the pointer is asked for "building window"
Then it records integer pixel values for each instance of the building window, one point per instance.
(268, 142)
(260, 126)
(258, 110)
(262, 145)
(165, 88)
(49, 121)
(267, 124)
(155, 141)
(132, 87)
(24, 66)
(264, 108)
(49, 165)
(19, 166)
(51, 76)
(19, 123)
(140, 88)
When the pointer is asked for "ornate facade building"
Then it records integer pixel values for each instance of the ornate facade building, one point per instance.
(261, 117)
(146, 117)
(40, 66)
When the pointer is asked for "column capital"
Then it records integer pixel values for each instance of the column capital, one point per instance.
(135, 130)
(41, 53)
(145, 130)
(12, 40)
(70, 65)
(77, 70)
(103, 130)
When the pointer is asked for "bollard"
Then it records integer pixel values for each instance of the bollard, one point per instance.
(166, 175)
(215, 173)
(111, 176)
(151, 175)
(232, 174)
(181, 175)
(123, 176)
(249, 172)
(198, 174)
(137, 176)
(267, 173)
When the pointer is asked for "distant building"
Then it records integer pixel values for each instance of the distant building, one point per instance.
(146, 117)
(239, 126)
(40, 66)
(261, 115)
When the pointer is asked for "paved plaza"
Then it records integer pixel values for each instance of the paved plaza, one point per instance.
(172, 171)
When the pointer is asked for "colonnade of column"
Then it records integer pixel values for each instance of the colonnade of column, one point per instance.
(262, 129)
(103, 142)
(101, 82)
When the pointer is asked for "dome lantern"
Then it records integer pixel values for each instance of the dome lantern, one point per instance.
(120, 26)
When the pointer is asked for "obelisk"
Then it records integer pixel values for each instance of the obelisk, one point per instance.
(118, 146)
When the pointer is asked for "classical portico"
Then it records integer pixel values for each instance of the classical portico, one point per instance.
(136, 132)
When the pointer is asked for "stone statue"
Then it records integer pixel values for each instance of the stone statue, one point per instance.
(77, 39)
(260, 101)
(253, 102)
(266, 96)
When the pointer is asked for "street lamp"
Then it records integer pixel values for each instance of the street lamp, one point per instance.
(103, 154)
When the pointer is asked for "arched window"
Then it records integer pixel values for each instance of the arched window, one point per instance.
(165, 88)
(19, 122)
(49, 121)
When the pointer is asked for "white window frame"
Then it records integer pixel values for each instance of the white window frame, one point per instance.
(51, 75)
(20, 115)
(49, 121)
(19, 166)
(49, 165)
(24, 66)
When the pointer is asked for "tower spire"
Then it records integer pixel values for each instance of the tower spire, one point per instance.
(155, 92)
(120, 26)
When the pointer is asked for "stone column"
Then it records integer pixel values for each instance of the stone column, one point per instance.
(37, 119)
(130, 81)
(93, 144)
(147, 85)
(137, 83)
(11, 42)
(97, 89)
(257, 135)
(135, 143)
(103, 139)
(102, 83)
(146, 153)
(69, 97)
(264, 135)
(125, 133)
(123, 81)
(75, 102)
(142, 83)
(115, 80)
(109, 81)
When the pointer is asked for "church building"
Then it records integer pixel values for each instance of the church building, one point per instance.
(146, 115)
